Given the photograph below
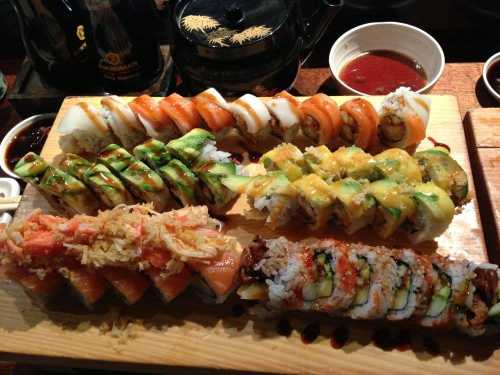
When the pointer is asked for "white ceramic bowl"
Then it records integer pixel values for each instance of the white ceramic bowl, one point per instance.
(14, 132)
(394, 36)
(8, 188)
(487, 65)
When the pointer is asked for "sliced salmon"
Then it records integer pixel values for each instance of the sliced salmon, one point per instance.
(90, 285)
(172, 285)
(130, 284)
(182, 111)
(365, 118)
(213, 114)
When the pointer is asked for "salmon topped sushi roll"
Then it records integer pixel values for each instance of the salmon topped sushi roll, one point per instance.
(157, 123)
(359, 122)
(182, 111)
(321, 123)
(212, 108)
(88, 284)
(286, 115)
(252, 117)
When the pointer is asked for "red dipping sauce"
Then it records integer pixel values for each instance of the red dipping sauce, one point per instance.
(380, 72)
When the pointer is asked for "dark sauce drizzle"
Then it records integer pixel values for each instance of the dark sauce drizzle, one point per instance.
(310, 333)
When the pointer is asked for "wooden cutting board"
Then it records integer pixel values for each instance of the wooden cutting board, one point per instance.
(187, 334)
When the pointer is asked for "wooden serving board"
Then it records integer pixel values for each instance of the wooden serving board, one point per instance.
(188, 334)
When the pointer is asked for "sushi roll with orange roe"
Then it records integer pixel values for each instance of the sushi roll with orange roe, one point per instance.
(212, 108)
(182, 111)
(321, 122)
(359, 123)
(286, 115)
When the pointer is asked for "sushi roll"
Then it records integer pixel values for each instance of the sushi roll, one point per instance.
(30, 168)
(286, 158)
(182, 111)
(83, 130)
(321, 122)
(123, 121)
(194, 146)
(404, 115)
(157, 123)
(286, 115)
(75, 165)
(394, 205)
(398, 165)
(320, 160)
(272, 195)
(359, 122)
(107, 186)
(128, 284)
(210, 189)
(116, 158)
(376, 284)
(153, 152)
(170, 285)
(352, 206)
(433, 214)
(212, 108)
(181, 181)
(252, 117)
(439, 167)
(315, 199)
(87, 284)
(353, 162)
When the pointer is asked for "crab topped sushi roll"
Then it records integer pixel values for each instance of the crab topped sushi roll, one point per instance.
(394, 205)
(123, 121)
(253, 119)
(272, 195)
(181, 180)
(438, 166)
(286, 158)
(107, 186)
(359, 122)
(353, 162)
(128, 284)
(88, 284)
(352, 206)
(116, 158)
(321, 122)
(286, 115)
(212, 108)
(153, 152)
(170, 285)
(315, 199)
(157, 123)
(433, 214)
(398, 165)
(319, 160)
(404, 115)
(182, 111)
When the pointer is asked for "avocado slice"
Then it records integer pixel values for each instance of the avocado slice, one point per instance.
(355, 163)
(181, 180)
(116, 158)
(75, 165)
(107, 186)
(396, 164)
(153, 152)
(188, 148)
(286, 158)
(30, 168)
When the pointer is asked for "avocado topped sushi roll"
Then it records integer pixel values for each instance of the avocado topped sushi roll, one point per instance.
(192, 146)
(438, 166)
(352, 207)
(181, 180)
(75, 165)
(433, 214)
(354, 162)
(30, 168)
(319, 160)
(152, 152)
(315, 198)
(210, 189)
(398, 165)
(107, 186)
(394, 205)
(286, 158)
(116, 158)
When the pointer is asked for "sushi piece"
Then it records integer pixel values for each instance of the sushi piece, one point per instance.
(434, 213)
(157, 123)
(210, 189)
(123, 121)
(320, 160)
(83, 130)
(88, 284)
(130, 285)
(394, 205)
(439, 167)
(286, 158)
(197, 146)
(30, 168)
(116, 158)
(107, 186)
(353, 162)
(181, 181)
(315, 199)
(398, 165)
(404, 115)
(75, 165)
(321, 123)
(352, 206)
(170, 285)
(212, 108)
(359, 122)
(253, 119)
(272, 195)
(286, 115)
(182, 111)
(153, 152)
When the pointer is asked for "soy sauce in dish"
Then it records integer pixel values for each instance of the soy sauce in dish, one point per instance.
(29, 139)
(493, 76)
(380, 72)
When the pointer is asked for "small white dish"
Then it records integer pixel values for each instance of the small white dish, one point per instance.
(13, 133)
(487, 65)
(393, 36)
(8, 188)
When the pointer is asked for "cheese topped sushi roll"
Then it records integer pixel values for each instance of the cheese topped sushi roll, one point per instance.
(355, 163)
(359, 122)
(153, 152)
(123, 121)
(321, 122)
(252, 117)
(398, 165)
(212, 108)
(315, 198)
(320, 160)
(404, 115)
(286, 158)
(182, 111)
(83, 130)
(286, 115)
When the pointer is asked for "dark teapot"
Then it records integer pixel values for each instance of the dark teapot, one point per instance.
(240, 46)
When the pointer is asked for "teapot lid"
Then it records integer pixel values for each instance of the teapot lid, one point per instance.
(230, 23)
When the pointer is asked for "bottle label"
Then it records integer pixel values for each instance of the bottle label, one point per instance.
(114, 66)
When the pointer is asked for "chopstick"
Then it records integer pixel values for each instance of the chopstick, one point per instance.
(9, 203)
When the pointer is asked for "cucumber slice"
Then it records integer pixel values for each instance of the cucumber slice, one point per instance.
(439, 301)
(362, 296)
(494, 312)
(324, 288)
(401, 299)
(309, 292)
